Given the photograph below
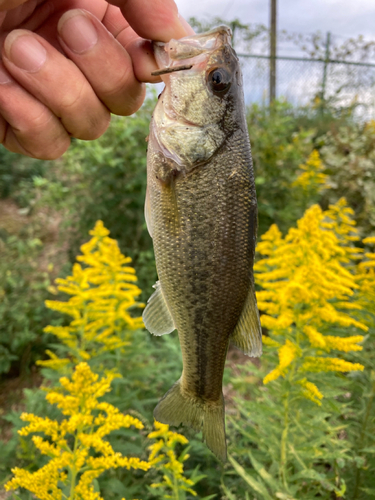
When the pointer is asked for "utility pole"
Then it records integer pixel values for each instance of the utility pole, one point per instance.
(273, 52)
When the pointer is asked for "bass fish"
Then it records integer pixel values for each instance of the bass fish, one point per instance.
(201, 213)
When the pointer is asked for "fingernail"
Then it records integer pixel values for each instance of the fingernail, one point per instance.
(25, 51)
(77, 31)
(4, 75)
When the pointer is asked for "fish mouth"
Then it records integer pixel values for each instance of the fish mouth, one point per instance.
(188, 52)
(164, 71)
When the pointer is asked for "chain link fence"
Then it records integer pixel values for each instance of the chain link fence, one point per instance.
(302, 81)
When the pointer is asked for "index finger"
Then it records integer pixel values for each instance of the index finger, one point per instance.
(153, 19)
(10, 4)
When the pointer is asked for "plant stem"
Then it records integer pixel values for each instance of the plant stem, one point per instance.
(118, 365)
(175, 488)
(361, 439)
(73, 472)
(284, 438)
(289, 379)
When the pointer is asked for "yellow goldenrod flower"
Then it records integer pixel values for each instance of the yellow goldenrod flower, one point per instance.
(311, 391)
(88, 422)
(309, 284)
(287, 353)
(42, 483)
(270, 342)
(317, 364)
(311, 177)
(102, 293)
(163, 457)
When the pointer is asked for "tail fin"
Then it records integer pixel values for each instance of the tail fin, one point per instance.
(176, 409)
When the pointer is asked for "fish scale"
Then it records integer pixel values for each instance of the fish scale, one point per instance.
(202, 215)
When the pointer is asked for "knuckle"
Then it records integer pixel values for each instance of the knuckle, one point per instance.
(45, 138)
(40, 123)
(95, 126)
(47, 150)
(51, 150)
(118, 83)
(83, 114)
(72, 99)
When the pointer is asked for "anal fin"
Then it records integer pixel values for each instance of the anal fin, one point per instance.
(156, 316)
(247, 335)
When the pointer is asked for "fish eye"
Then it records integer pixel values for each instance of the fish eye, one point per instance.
(219, 79)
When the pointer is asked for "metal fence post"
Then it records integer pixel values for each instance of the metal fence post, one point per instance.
(273, 52)
(326, 62)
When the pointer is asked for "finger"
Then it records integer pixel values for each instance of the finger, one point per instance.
(142, 55)
(10, 4)
(103, 61)
(26, 125)
(45, 19)
(154, 20)
(3, 128)
(13, 18)
(114, 21)
(140, 50)
(56, 82)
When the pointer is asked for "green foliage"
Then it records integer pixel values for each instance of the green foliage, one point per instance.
(359, 418)
(348, 154)
(23, 289)
(14, 169)
(311, 463)
(278, 148)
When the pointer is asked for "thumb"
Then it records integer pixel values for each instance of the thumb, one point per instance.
(154, 19)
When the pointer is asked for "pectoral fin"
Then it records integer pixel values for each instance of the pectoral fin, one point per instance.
(247, 335)
(148, 213)
(156, 316)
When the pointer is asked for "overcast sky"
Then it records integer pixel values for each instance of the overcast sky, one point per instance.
(347, 18)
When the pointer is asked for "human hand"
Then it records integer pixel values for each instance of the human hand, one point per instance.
(66, 64)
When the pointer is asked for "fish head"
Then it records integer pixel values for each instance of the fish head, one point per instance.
(200, 106)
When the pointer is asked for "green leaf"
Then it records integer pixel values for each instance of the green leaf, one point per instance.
(266, 476)
(369, 491)
(309, 474)
(227, 492)
(256, 485)
(284, 496)
(369, 449)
